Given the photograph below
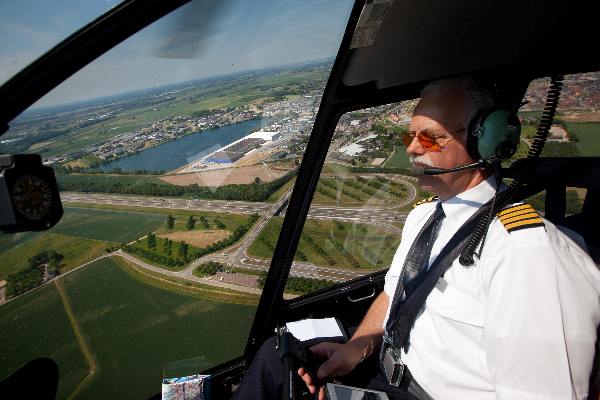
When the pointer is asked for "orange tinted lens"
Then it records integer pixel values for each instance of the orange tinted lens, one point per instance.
(428, 142)
(407, 137)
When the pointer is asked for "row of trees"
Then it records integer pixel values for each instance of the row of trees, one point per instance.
(185, 253)
(154, 257)
(299, 284)
(191, 223)
(250, 192)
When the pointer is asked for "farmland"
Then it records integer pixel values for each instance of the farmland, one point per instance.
(81, 235)
(333, 244)
(399, 159)
(358, 191)
(588, 137)
(35, 325)
(120, 318)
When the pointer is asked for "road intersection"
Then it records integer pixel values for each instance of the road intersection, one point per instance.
(384, 216)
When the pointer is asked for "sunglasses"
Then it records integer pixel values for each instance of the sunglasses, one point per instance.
(427, 139)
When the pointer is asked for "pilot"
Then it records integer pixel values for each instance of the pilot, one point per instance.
(520, 323)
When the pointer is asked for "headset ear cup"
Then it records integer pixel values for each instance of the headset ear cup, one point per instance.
(498, 135)
(473, 134)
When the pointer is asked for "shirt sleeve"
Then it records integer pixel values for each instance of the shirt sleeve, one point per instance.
(527, 348)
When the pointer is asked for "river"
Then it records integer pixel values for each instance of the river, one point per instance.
(184, 150)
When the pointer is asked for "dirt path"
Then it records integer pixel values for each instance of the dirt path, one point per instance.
(85, 350)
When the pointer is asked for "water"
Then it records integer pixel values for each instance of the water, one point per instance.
(184, 150)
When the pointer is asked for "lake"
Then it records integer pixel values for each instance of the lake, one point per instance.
(184, 150)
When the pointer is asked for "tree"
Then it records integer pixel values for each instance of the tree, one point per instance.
(204, 222)
(151, 240)
(170, 222)
(257, 180)
(183, 250)
(191, 222)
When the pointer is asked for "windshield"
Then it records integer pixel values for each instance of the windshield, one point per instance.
(172, 152)
(30, 28)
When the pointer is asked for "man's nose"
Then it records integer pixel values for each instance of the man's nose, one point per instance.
(415, 147)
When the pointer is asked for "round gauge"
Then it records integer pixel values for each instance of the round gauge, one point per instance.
(32, 197)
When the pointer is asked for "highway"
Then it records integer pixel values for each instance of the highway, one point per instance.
(382, 216)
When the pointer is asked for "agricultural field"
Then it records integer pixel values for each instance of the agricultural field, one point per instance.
(588, 137)
(132, 328)
(333, 244)
(399, 159)
(36, 325)
(359, 191)
(81, 235)
(76, 251)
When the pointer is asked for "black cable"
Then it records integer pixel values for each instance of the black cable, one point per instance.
(505, 197)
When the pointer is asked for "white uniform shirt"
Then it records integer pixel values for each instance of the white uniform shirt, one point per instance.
(518, 324)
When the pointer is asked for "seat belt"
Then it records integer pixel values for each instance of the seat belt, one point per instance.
(405, 312)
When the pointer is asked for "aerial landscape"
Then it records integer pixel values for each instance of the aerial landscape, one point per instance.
(173, 201)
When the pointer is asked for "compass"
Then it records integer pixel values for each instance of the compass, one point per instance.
(32, 197)
(28, 194)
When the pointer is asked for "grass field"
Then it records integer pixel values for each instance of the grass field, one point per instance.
(358, 191)
(588, 134)
(81, 235)
(134, 327)
(333, 244)
(76, 251)
(36, 325)
(108, 225)
(399, 159)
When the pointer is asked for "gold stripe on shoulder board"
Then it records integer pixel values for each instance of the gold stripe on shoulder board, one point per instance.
(427, 200)
(518, 217)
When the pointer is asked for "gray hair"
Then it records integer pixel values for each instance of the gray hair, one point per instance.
(480, 95)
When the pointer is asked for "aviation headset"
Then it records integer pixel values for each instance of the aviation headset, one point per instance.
(493, 135)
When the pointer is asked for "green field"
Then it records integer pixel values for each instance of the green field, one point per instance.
(114, 226)
(358, 191)
(81, 235)
(76, 251)
(333, 244)
(132, 329)
(399, 159)
(35, 325)
(588, 135)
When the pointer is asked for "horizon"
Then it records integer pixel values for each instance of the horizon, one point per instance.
(96, 101)
(218, 39)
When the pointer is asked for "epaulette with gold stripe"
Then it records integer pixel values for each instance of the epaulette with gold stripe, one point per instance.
(521, 216)
(427, 200)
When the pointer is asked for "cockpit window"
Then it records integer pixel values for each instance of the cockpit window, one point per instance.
(172, 152)
(575, 131)
(360, 203)
(30, 28)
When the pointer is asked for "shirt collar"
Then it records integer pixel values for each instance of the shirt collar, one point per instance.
(462, 206)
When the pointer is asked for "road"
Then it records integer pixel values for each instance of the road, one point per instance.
(383, 216)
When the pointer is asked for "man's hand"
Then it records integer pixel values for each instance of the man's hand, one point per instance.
(340, 359)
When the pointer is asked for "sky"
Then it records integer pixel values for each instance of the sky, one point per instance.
(201, 39)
